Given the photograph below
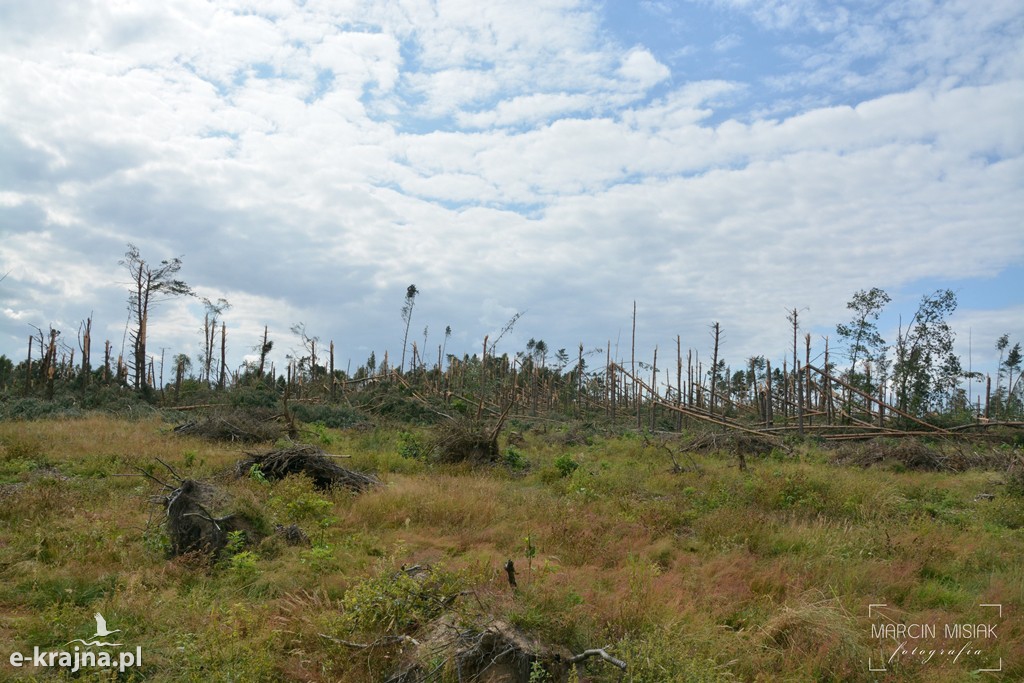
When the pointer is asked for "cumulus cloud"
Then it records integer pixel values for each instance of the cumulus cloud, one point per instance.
(309, 163)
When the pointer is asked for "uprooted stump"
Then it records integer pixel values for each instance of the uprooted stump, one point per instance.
(308, 460)
(497, 652)
(192, 528)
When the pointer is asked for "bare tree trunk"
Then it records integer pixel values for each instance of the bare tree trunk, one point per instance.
(632, 362)
(689, 378)
(609, 385)
(807, 374)
(769, 409)
(829, 404)
(797, 390)
(106, 362)
(264, 350)
(988, 388)
(716, 332)
(86, 345)
(222, 382)
(334, 383)
(615, 391)
(579, 382)
(679, 382)
(654, 386)
(28, 368)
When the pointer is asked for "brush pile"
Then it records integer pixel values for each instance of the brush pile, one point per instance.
(915, 454)
(237, 426)
(736, 443)
(308, 460)
(465, 441)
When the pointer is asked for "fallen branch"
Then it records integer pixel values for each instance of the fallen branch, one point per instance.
(597, 652)
(380, 642)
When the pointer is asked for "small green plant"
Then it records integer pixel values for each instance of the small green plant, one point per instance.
(296, 501)
(318, 432)
(566, 465)
(538, 674)
(398, 602)
(1015, 478)
(320, 558)
(515, 460)
(410, 446)
(190, 458)
(155, 540)
(243, 566)
(531, 552)
(235, 543)
(256, 474)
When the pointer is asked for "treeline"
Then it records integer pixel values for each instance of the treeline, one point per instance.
(860, 381)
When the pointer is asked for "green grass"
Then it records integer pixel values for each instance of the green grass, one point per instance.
(707, 575)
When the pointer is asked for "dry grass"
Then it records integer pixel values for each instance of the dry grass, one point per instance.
(708, 575)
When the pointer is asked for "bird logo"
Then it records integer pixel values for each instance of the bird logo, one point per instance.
(101, 632)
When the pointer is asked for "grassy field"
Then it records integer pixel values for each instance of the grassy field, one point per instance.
(709, 574)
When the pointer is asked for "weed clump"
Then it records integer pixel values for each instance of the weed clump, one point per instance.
(820, 634)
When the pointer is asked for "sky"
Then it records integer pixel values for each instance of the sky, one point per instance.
(710, 160)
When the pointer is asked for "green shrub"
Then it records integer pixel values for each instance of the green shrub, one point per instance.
(257, 396)
(411, 447)
(515, 460)
(566, 465)
(1015, 478)
(333, 416)
(37, 409)
(399, 602)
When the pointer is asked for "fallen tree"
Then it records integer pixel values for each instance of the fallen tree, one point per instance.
(308, 460)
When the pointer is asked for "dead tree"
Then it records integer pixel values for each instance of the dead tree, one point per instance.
(149, 285)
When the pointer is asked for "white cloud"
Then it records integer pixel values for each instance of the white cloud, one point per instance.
(311, 162)
(642, 68)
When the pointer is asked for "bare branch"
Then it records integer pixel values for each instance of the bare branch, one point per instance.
(597, 652)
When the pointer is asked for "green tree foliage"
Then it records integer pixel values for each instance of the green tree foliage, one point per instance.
(1012, 365)
(862, 340)
(926, 372)
(6, 372)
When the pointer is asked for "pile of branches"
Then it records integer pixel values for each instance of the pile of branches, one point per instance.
(239, 426)
(914, 454)
(308, 460)
(737, 443)
(465, 440)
